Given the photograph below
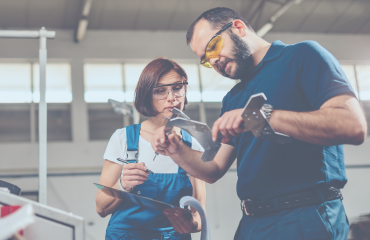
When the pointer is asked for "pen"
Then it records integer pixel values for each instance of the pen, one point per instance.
(124, 161)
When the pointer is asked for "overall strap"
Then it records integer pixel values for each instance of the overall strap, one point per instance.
(186, 138)
(132, 140)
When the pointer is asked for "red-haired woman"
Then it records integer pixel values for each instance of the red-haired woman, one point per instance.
(161, 87)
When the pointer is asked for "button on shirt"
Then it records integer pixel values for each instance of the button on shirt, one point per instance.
(300, 78)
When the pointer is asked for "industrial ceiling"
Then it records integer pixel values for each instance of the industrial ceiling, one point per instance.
(318, 16)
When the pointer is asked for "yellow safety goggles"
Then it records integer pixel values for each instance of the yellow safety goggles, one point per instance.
(214, 47)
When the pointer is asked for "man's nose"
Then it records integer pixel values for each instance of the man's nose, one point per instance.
(213, 61)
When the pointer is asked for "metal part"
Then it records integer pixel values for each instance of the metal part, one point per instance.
(24, 34)
(267, 110)
(43, 35)
(256, 121)
(194, 203)
(121, 108)
(200, 131)
(42, 120)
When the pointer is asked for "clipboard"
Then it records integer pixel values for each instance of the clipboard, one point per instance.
(135, 199)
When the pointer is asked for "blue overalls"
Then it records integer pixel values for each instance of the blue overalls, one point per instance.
(136, 222)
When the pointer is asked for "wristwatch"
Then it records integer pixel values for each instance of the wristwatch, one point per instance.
(267, 110)
(266, 131)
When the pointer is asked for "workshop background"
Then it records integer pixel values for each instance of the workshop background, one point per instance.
(99, 52)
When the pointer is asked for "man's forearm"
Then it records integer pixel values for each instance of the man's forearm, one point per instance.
(329, 126)
(190, 160)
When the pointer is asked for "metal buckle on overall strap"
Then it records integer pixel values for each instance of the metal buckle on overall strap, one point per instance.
(132, 155)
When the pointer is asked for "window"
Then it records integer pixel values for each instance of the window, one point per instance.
(213, 110)
(103, 121)
(214, 86)
(15, 125)
(359, 76)
(349, 70)
(193, 92)
(132, 75)
(58, 83)
(363, 78)
(102, 82)
(192, 111)
(59, 126)
(19, 88)
(15, 83)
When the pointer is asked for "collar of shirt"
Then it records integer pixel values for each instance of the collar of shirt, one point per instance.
(275, 51)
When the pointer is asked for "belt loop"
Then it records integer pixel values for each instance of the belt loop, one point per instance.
(276, 203)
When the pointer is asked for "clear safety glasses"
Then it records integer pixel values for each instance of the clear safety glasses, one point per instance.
(161, 92)
(214, 47)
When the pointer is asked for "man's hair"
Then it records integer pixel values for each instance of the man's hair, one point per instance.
(218, 17)
(149, 78)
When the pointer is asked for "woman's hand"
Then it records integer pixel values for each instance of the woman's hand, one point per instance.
(133, 174)
(181, 220)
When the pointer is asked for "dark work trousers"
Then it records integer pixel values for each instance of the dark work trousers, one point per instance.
(327, 221)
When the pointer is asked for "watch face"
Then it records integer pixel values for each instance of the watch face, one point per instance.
(267, 110)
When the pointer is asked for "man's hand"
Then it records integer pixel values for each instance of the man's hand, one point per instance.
(229, 125)
(181, 220)
(166, 145)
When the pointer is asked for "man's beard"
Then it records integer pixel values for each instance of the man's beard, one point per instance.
(242, 58)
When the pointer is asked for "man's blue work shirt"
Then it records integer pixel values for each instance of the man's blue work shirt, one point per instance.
(300, 78)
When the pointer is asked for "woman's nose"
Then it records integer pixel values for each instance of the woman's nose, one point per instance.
(170, 96)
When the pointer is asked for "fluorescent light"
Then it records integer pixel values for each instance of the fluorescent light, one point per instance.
(81, 30)
(263, 30)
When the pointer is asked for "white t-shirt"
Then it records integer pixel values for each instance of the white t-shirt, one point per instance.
(162, 164)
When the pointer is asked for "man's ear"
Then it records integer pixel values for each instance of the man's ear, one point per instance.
(239, 28)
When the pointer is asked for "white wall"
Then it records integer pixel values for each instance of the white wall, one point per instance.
(76, 194)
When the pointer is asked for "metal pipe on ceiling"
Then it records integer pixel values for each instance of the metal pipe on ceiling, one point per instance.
(269, 25)
(83, 22)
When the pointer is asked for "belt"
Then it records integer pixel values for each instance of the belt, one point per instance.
(257, 207)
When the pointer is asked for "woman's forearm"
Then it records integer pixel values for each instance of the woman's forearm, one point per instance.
(105, 204)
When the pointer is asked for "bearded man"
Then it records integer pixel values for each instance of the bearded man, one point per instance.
(288, 191)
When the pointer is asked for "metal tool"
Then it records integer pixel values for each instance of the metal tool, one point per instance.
(200, 131)
(126, 162)
(121, 108)
(125, 109)
(256, 121)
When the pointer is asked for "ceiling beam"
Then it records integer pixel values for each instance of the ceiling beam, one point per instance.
(270, 23)
(83, 22)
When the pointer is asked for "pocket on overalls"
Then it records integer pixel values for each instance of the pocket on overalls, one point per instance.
(173, 196)
(148, 189)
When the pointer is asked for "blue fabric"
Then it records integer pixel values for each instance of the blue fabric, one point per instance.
(299, 77)
(133, 234)
(132, 221)
(186, 138)
(326, 221)
(132, 136)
